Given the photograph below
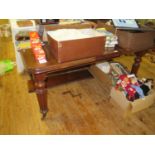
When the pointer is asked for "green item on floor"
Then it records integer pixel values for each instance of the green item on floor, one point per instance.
(6, 66)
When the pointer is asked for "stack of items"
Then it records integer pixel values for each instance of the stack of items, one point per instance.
(22, 40)
(111, 39)
(22, 36)
(36, 46)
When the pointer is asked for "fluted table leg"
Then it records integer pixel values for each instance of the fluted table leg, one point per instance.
(136, 65)
(41, 92)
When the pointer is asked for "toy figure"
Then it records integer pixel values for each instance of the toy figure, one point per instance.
(135, 84)
(125, 83)
(131, 87)
(146, 85)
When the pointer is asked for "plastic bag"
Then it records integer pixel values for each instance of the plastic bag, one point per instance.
(6, 66)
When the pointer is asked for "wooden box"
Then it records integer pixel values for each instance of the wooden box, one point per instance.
(69, 50)
(45, 28)
(135, 41)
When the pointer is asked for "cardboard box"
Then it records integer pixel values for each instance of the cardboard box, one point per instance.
(69, 50)
(134, 41)
(100, 75)
(107, 78)
(117, 96)
(132, 107)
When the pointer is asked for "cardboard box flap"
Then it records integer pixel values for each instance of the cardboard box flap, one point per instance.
(120, 98)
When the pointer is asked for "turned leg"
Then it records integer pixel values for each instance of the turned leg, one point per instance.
(136, 65)
(41, 92)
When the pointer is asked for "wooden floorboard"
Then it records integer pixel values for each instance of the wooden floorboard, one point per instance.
(80, 107)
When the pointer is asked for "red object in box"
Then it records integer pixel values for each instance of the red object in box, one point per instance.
(39, 55)
(33, 35)
(36, 45)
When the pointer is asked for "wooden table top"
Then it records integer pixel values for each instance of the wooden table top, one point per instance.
(52, 65)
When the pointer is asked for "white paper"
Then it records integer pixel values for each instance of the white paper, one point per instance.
(72, 34)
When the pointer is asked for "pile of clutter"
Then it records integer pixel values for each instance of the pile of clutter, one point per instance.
(37, 48)
(31, 40)
(22, 40)
(132, 87)
(111, 39)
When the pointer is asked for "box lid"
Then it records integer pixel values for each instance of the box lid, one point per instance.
(72, 34)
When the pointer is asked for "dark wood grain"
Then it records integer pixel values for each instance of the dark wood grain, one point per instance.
(53, 73)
